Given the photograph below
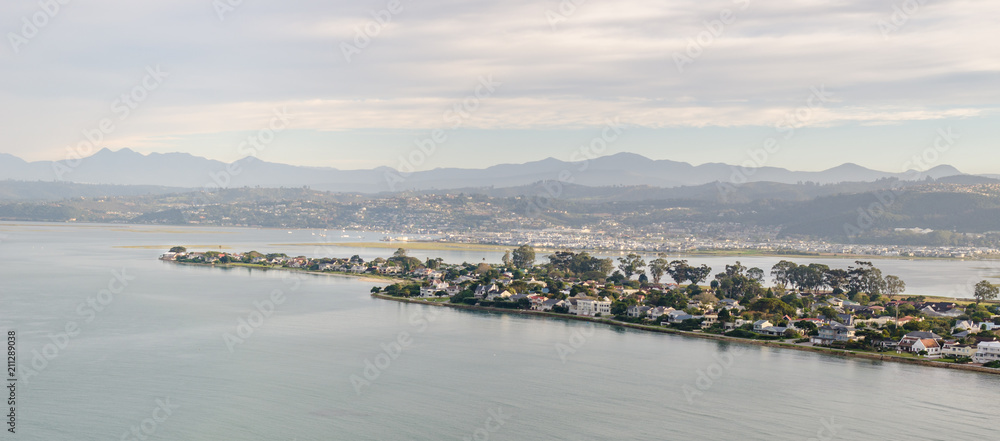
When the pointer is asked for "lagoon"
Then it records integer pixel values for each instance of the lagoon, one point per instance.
(162, 339)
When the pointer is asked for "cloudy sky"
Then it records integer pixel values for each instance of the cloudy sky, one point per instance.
(869, 82)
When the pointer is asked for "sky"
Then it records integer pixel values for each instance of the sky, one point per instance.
(443, 83)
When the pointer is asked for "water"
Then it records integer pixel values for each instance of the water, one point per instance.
(162, 338)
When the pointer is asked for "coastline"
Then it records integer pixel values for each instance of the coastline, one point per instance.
(385, 280)
(363, 277)
(662, 330)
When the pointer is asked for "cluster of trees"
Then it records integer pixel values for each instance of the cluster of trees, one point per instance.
(679, 270)
(407, 263)
(581, 265)
(863, 277)
(521, 258)
(740, 282)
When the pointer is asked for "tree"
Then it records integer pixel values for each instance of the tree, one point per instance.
(678, 270)
(894, 285)
(866, 278)
(835, 278)
(782, 272)
(619, 308)
(699, 274)
(400, 252)
(724, 315)
(523, 257)
(506, 258)
(433, 263)
(658, 268)
(706, 298)
(829, 313)
(756, 274)
(985, 291)
(178, 249)
(772, 306)
(631, 265)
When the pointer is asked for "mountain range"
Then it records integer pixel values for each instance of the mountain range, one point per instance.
(182, 170)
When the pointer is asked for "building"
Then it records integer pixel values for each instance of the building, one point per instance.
(987, 351)
(953, 349)
(832, 333)
(915, 344)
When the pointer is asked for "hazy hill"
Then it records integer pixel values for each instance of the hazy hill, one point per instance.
(126, 167)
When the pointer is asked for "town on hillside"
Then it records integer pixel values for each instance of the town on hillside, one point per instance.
(855, 308)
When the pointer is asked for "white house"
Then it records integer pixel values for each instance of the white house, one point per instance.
(637, 310)
(987, 351)
(603, 306)
(915, 344)
(586, 307)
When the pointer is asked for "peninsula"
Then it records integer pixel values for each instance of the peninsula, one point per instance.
(854, 311)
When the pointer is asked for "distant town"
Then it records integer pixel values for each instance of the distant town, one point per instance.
(887, 218)
(855, 311)
(707, 238)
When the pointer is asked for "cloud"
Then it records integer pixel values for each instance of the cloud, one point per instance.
(602, 60)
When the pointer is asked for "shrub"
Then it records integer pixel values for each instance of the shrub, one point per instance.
(740, 333)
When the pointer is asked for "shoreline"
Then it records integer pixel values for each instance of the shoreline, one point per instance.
(363, 277)
(661, 330)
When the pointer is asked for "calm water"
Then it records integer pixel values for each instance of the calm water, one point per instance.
(162, 338)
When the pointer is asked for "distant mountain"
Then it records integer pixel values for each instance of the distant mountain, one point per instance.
(127, 167)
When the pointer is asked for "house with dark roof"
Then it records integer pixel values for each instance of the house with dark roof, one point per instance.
(832, 333)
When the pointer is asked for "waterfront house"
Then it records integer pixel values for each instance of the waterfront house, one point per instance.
(482, 291)
(759, 325)
(505, 295)
(886, 344)
(915, 345)
(833, 332)
(658, 311)
(729, 326)
(585, 307)
(774, 331)
(678, 317)
(637, 311)
(433, 289)
(517, 297)
(987, 351)
(955, 349)
(603, 306)
(708, 320)
(548, 304)
(537, 301)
